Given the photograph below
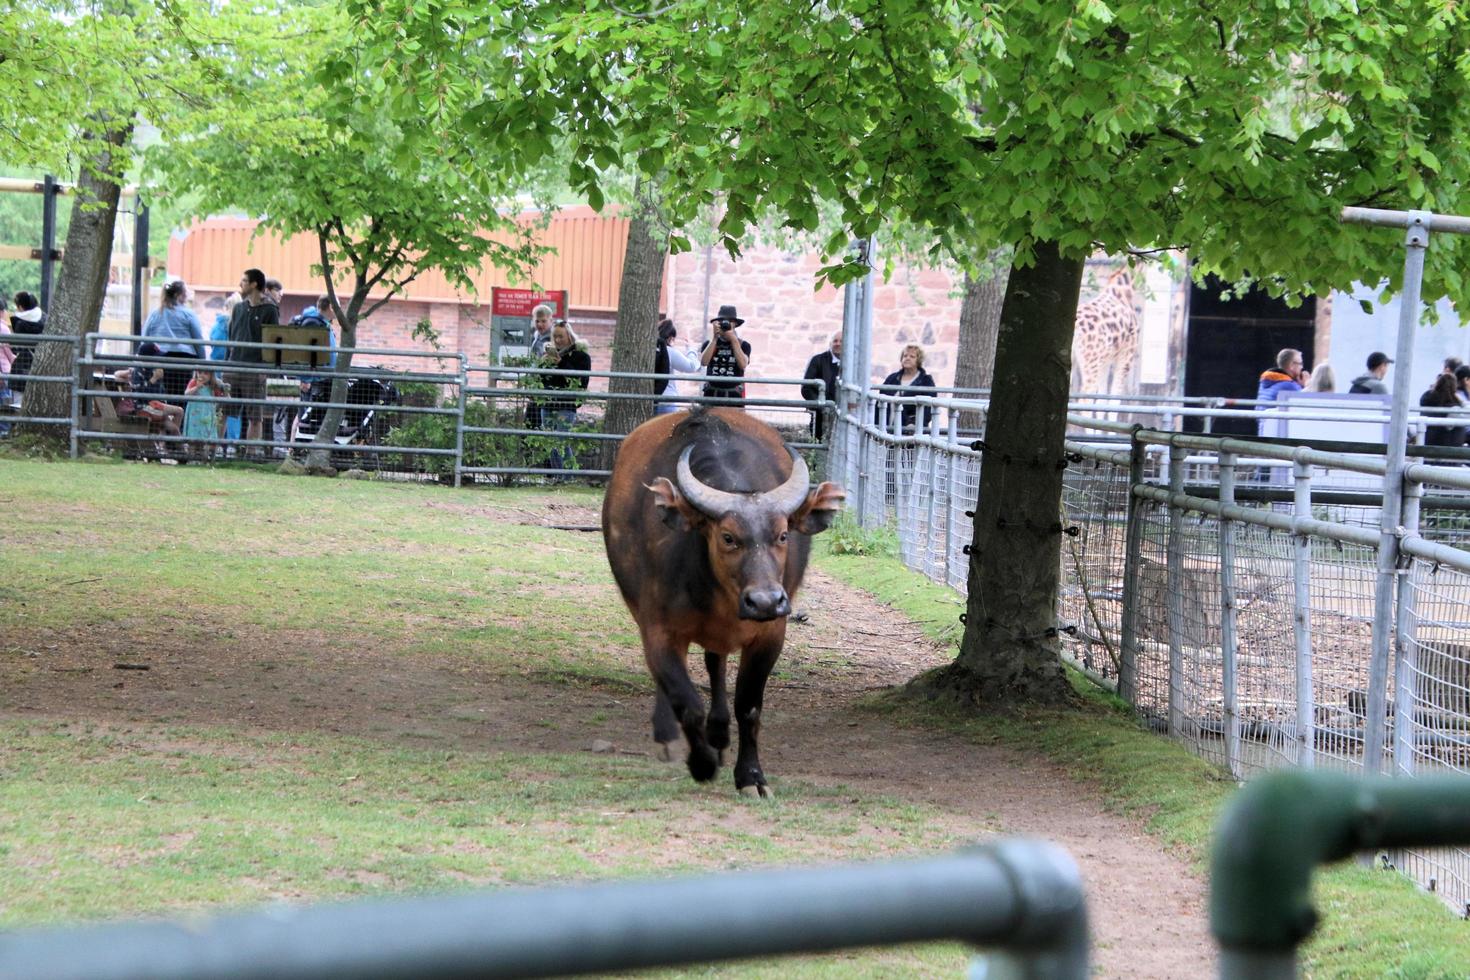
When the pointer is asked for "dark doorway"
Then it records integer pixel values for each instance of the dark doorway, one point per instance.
(1231, 341)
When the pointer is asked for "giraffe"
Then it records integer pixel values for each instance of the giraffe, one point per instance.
(1105, 345)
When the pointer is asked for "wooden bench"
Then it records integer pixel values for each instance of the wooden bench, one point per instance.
(102, 411)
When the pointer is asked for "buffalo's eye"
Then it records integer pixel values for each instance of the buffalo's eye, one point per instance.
(782, 538)
(729, 538)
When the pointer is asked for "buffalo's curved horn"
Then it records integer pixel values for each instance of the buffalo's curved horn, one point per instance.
(789, 495)
(784, 499)
(703, 497)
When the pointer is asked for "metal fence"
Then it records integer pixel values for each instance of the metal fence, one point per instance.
(405, 413)
(1021, 898)
(1227, 588)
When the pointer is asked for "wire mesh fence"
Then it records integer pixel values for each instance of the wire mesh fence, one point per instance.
(1235, 586)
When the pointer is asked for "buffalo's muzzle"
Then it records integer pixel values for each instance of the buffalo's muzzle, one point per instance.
(764, 604)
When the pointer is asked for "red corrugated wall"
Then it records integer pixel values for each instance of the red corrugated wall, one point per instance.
(588, 260)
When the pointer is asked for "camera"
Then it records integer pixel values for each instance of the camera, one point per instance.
(727, 325)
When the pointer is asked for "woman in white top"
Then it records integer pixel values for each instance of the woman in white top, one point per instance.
(668, 359)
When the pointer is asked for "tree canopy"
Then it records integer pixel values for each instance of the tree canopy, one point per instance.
(1235, 129)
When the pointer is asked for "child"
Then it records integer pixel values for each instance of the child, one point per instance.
(146, 381)
(201, 418)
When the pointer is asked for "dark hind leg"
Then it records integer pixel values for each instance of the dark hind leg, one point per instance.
(750, 692)
(717, 728)
(665, 727)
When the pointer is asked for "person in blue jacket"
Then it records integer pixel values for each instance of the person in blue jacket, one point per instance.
(1285, 376)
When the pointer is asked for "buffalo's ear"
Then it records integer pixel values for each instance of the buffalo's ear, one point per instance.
(673, 509)
(820, 508)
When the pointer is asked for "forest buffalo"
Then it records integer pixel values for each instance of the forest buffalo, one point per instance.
(707, 522)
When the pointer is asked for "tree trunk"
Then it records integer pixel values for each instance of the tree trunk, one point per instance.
(979, 326)
(1009, 654)
(81, 286)
(636, 332)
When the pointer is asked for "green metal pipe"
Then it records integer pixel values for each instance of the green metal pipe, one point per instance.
(1281, 826)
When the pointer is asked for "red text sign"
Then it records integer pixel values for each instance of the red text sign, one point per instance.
(520, 302)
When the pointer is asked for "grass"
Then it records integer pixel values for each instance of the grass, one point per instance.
(160, 814)
(1374, 924)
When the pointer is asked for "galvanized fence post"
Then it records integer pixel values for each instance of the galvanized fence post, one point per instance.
(1406, 646)
(76, 393)
(1132, 555)
(464, 385)
(894, 474)
(864, 470)
(951, 441)
(1416, 241)
(1228, 645)
(1301, 607)
(1174, 577)
(931, 492)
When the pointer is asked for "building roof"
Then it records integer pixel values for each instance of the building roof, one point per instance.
(588, 260)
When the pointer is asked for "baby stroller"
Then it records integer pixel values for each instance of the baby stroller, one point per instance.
(364, 423)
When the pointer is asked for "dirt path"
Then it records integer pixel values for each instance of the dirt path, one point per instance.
(1148, 907)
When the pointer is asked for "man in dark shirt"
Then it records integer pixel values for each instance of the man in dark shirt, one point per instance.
(725, 358)
(827, 368)
(256, 311)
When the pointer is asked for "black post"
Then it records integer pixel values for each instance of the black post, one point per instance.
(49, 189)
(140, 263)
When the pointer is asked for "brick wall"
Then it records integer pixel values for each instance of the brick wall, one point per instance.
(787, 321)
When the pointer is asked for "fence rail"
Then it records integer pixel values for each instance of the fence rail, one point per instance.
(413, 413)
(1022, 897)
(1228, 588)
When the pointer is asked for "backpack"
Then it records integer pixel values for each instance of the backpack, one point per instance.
(661, 366)
(309, 320)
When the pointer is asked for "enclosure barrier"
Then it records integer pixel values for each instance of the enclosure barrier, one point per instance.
(1023, 896)
(530, 438)
(13, 410)
(1276, 832)
(367, 420)
(1226, 587)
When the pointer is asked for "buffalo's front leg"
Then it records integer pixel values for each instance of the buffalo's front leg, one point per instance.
(669, 666)
(756, 662)
(717, 728)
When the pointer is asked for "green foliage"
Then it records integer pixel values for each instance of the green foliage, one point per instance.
(318, 140)
(1237, 130)
(847, 536)
(482, 448)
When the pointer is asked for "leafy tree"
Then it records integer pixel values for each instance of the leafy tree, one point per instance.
(1234, 129)
(320, 144)
(90, 74)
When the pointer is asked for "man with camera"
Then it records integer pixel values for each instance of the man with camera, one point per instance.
(725, 357)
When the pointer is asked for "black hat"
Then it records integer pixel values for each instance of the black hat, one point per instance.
(150, 349)
(728, 313)
(1376, 358)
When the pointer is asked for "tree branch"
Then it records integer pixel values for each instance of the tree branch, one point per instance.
(648, 16)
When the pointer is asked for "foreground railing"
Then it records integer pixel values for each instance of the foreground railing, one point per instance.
(1022, 897)
(1276, 832)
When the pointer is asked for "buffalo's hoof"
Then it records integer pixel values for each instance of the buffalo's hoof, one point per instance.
(758, 791)
(667, 752)
(703, 763)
